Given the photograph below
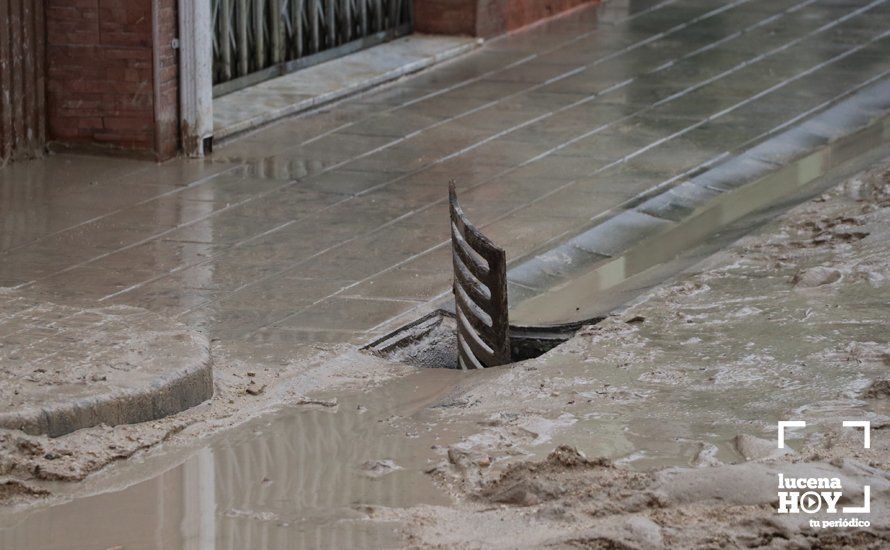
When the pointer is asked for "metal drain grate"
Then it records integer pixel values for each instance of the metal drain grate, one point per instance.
(478, 334)
(480, 293)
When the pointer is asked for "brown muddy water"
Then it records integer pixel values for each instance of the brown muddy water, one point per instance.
(701, 367)
(296, 479)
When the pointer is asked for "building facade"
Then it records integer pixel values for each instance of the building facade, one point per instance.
(138, 77)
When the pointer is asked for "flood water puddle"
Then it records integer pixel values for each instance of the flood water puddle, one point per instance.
(301, 478)
(311, 476)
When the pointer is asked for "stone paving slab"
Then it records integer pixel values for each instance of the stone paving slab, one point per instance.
(543, 132)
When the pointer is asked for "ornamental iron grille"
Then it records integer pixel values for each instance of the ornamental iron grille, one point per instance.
(255, 40)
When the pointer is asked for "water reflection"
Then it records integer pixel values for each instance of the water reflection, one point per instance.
(292, 481)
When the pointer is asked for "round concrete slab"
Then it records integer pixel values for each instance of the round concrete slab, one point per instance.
(65, 368)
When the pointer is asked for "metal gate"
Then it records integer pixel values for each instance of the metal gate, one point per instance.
(255, 40)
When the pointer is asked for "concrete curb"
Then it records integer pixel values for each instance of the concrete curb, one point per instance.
(168, 395)
(654, 229)
(329, 71)
(173, 374)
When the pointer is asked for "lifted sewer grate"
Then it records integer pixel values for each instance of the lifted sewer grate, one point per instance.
(477, 334)
(480, 293)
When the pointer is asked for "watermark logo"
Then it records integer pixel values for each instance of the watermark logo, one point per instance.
(811, 495)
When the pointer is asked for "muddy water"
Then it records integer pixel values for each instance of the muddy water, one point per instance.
(725, 353)
(298, 479)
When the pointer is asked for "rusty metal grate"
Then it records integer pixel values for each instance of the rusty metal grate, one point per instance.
(480, 293)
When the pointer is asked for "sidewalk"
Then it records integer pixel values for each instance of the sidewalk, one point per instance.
(321, 229)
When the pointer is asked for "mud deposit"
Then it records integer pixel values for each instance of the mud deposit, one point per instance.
(656, 427)
(678, 398)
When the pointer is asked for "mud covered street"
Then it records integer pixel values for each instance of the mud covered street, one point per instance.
(667, 413)
(655, 427)
(435, 274)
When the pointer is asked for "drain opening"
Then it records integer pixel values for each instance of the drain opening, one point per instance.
(431, 341)
(478, 334)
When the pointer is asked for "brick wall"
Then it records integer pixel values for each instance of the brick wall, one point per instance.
(445, 16)
(485, 18)
(111, 75)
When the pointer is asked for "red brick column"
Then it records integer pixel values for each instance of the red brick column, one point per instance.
(112, 75)
(485, 18)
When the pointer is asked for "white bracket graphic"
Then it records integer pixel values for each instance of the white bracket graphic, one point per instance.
(866, 489)
(788, 424)
(866, 428)
(866, 503)
(866, 444)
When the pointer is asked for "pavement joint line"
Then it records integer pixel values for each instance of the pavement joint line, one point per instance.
(483, 76)
(567, 74)
(600, 170)
(545, 83)
(655, 190)
(606, 57)
(380, 186)
(407, 313)
(693, 88)
(456, 86)
(446, 243)
(380, 299)
(177, 269)
(755, 97)
(717, 115)
(616, 163)
(400, 140)
(660, 187)
(519, 93)
(819, 107)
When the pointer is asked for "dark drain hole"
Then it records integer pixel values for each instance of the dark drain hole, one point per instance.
(431, 341)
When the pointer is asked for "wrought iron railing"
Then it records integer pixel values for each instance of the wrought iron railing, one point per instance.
(254, 40)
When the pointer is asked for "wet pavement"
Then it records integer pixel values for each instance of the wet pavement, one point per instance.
(328, 228)
(324, 228)
(693, 378)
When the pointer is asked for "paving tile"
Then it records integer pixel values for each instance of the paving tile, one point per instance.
(318, 228)
(422, 278)
(354, 314)
(368, 255)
